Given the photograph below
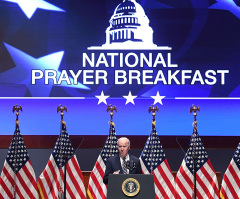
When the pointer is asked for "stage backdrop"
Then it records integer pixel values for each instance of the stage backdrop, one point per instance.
(87, 55)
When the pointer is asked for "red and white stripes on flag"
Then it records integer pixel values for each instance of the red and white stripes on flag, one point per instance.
(51, 181)
(231, 180)
(153, 161)
(18, 178)
(24, 181)
(206, 179)
(207, 184)
(96, 188)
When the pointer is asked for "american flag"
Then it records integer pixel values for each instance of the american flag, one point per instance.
(18, 178)
(231, 179)
(51, 181)
(96, 188)
(206, 179)
(153, 160)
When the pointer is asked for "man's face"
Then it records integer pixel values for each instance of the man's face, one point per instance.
(123, 147)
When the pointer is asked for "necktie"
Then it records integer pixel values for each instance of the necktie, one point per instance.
(124, 166)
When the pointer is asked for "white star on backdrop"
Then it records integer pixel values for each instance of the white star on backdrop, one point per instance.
(102, 98)
(129, 98)
(229, 5)
(30, 6)
(158, 98)
(24, 66)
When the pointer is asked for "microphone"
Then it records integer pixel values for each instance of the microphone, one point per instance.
(194, 156)
(178, 141)
(77, 144)
(128, 164)
(134, 166)
(65, 157)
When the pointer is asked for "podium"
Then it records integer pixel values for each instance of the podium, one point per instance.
(137, 186)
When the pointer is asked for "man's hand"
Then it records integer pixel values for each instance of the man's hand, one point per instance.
(116, 172)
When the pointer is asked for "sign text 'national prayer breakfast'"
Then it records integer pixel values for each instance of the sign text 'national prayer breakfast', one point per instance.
(130, 68)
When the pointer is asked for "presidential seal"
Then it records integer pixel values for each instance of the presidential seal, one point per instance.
(130, 187)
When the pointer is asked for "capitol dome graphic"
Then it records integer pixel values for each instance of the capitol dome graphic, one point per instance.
(129, 29)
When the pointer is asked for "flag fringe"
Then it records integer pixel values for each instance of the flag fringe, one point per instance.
(154, 123)
(64, 123)
(111, 123)
(221, 195)
(40, 191)
(89, 194)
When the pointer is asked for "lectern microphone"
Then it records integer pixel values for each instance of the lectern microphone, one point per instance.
(128, 165)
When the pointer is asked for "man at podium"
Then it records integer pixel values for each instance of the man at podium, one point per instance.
(122, 163)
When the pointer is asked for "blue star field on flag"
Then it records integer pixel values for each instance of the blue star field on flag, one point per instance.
(236, 156)
(110, 147)
(17, 153)
(63, 148)
(17, 178)
(197, 149)
(153, 154)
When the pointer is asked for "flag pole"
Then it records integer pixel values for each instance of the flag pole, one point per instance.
(111, 109)
(194, 109)
(17, 109)
(152, 109)
(61, 109)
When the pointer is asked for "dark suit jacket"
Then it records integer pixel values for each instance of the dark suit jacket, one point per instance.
(114, 164)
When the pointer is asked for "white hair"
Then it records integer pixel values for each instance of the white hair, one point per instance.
(124, 138)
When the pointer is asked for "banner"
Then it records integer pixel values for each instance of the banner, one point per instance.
(131, 53)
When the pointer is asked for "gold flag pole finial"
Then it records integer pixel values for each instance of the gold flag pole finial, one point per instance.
(61, 109)
(17, 109)
(111, 109)
(153, 109)
(194, 109)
